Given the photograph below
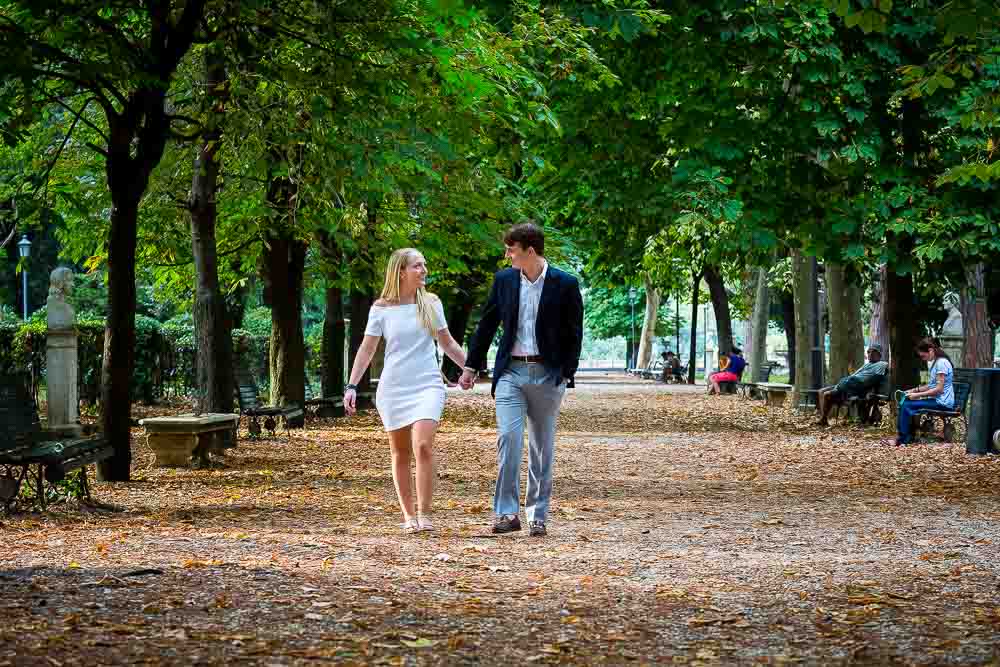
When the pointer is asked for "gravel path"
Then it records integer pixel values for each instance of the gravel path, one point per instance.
(686, 529)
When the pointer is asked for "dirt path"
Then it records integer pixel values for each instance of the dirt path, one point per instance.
(685, 529)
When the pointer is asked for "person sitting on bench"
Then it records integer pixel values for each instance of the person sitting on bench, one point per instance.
(857, 384)
(730, 369)
(939, 394)
(671, 367)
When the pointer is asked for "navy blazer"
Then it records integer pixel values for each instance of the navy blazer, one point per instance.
(558, 327)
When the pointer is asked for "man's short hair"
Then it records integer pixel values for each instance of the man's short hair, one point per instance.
(527, 235)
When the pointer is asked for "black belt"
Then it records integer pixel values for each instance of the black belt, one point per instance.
(530, 359)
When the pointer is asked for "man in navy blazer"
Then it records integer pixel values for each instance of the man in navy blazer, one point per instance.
(541, 311)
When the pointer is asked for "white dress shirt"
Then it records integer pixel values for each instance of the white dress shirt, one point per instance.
(525, 344)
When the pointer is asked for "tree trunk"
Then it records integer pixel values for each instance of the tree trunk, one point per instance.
(334, 333)
(459, 314)
(904, 330)
(693, 347)
(846, 335)
(361, 303)
(648, 324)
(137, 139)
(803, 294)
(285, 258)
(878, 326)
(213, 342)
(119, 343)
(759, 319)
(978, 349)
(332, 347)
(137, 136)
(720, 305)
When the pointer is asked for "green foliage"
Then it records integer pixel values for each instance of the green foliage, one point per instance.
(612, 312)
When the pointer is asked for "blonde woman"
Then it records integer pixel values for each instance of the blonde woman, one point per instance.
(410, 394)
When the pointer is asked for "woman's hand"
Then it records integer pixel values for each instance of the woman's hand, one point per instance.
(351, 402)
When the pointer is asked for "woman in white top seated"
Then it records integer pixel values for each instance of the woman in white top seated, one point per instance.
(410, 395)
(939, 394)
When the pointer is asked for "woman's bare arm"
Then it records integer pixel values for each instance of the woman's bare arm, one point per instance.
(451, 348)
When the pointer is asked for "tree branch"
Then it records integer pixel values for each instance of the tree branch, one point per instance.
(69, 133)
(98, 149)
(250, 241)
(79, 114)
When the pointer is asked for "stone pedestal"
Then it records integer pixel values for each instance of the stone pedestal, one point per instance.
(175, 440)
(61, 356)
(61, 372)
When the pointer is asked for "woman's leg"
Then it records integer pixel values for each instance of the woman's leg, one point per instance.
(713, 384)
(907, 410)
(423, 451)
(399, 444)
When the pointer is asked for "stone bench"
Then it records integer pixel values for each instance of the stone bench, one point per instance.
(176, 439)
(774, 393)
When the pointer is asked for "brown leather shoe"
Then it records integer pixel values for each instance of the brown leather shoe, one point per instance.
(537, 529)
(507, 524)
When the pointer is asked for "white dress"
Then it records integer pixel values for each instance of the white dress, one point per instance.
(410, 387)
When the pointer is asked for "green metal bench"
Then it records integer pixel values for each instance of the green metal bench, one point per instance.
(927, 417)
(248, 397)
(869, 407)
(31, 457)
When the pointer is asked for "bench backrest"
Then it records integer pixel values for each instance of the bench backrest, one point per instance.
(247, 394)
(19, 422)
(884, 386)
(962, 391)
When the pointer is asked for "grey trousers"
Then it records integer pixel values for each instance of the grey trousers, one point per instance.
(526, 391)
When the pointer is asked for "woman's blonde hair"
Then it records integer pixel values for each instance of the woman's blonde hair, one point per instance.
(398, 261)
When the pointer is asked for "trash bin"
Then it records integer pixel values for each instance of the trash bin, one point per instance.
(984, 411)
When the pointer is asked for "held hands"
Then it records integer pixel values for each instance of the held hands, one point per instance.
(351, 401)
(468, 380)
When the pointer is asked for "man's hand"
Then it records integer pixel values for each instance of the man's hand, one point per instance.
(468, 379)
(350, 401)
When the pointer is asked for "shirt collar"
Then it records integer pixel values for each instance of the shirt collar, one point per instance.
(541, 276)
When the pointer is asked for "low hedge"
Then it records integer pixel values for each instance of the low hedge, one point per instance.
(164, 355)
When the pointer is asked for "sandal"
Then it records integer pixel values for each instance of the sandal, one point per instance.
(410, 526)
(424, 524)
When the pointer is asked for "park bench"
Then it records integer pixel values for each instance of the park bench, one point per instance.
(318, 405)
(869, 407)
(680, 377)
(927, 417)
(653, 371)
(774, 393)
(175, 440)
(291, 416)
(748, 389)
(31, 455)
(639, 371)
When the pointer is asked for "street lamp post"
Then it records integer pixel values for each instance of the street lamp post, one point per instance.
(704, 349)
(635, 348)
(24, 249)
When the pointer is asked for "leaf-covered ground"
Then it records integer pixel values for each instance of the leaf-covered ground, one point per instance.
(686, 529)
